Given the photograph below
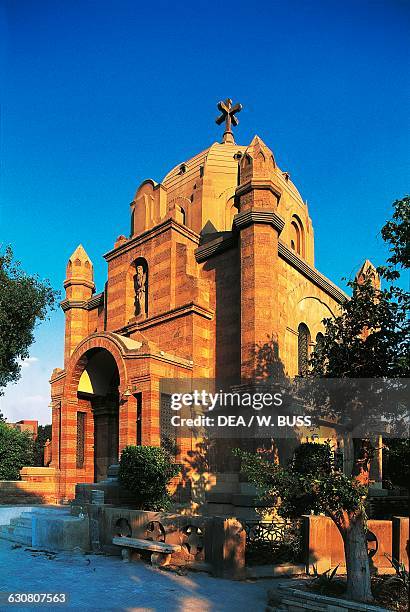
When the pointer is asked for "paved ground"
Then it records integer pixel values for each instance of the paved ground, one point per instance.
(96, 582)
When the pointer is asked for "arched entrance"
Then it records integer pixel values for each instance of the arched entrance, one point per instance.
(98, 386)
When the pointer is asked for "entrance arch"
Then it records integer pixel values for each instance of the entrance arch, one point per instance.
(90, 437)
(99, 387)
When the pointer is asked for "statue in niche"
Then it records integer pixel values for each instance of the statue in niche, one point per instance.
(140, 287)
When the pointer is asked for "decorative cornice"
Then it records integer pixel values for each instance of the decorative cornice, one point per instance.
(256, 184)
(67, 304)
(151, 233)
(181, 311)
(136, 349)
(84, 282)
(214, 247)
(94, 302)
(258, 215)
(164, 358)
(56, 378)
(311, 273)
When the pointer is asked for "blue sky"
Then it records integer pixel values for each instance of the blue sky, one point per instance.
(98, 95)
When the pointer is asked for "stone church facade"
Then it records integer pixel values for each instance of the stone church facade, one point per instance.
(218, 270)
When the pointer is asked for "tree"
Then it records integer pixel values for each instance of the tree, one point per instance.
(16, 451)
(24, 301)
(368, 339)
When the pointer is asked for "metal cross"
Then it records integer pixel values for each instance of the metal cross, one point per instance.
(228, 116)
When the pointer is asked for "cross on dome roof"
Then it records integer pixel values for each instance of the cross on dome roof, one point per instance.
(227, 115)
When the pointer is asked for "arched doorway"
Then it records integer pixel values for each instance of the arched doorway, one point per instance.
(98, 386)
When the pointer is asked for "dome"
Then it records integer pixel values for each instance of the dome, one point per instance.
(218, 159)
(200, 192)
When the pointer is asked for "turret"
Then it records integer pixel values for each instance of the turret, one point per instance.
(368, 272)
(79, 287)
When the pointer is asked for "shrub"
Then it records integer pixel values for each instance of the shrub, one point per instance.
(145, 471)
(313, 458)
(16, 451)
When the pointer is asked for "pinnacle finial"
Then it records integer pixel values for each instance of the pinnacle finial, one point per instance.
(227, 115)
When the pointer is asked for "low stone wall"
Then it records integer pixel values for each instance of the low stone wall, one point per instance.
(38, 474)
(213, 543)
(27, 492)
(295, 600)
(324, 544)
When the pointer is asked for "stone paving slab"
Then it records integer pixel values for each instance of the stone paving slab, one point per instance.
(97, 582)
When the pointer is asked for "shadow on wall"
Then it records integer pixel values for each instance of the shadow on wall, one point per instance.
(212, 453)
(19, 492)
(16, 492)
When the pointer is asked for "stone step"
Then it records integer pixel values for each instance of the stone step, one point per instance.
(20, 531)
(21, 521)
(19, 534)
(51, 512)
(20, 527)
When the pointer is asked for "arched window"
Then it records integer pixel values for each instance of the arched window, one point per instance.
(303, 349)
(297, 238)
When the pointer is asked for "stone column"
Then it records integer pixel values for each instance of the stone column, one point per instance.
(225, 544)
(128, 422)
(151, 398)
(68, 446)
(376, 468)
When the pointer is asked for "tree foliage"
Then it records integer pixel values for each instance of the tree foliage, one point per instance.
(368, 339)
(371, 336)
(16, 451)
(396, 462)
(24, 301)
(311, 457)
(396, 233)
(303, 488)
(146, 472)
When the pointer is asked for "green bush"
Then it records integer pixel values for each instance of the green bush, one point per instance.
(16, 451)
(313, 458)
(146, 471)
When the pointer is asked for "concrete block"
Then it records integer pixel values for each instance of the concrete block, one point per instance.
(60, 533)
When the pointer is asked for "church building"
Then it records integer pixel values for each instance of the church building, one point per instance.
(218, 269)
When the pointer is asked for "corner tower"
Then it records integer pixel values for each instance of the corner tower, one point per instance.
(259, 226)
(79, 287)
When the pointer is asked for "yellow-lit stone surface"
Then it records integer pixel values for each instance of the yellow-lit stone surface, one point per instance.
(225, 247)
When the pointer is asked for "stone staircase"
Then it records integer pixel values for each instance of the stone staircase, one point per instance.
(19, 528)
